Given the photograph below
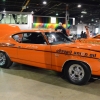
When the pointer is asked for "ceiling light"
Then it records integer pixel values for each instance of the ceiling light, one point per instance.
(96, 21)
(89, 24)
(81, 16)
(80, 21)
(44, 2)
(57, 14)
(92, 20)
(79, 6)
(32, 12)
(84, 12)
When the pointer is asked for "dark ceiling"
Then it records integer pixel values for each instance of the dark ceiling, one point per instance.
(92, 7)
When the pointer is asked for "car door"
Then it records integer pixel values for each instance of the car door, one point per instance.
(33, 50)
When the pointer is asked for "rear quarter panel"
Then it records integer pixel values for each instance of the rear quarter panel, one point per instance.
(61, 55)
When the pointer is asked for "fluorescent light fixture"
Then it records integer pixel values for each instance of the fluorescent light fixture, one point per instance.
(79, 6)
(84, 12)
(53, 20)
(44, 2)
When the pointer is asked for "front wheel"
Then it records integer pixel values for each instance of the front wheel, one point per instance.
(5, 62)
(77, 73)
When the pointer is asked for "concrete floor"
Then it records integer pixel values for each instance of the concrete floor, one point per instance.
(30, 83)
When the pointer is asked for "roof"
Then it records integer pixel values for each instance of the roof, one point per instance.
(11, 29)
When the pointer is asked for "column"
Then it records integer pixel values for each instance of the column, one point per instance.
(67, 16)
(99, 27)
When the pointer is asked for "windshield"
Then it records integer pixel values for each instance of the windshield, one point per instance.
(57, 38)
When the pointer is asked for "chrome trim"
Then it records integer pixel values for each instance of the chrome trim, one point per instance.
(76, 72)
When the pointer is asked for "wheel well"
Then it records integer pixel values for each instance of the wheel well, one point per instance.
(5, 53)
(67, 62)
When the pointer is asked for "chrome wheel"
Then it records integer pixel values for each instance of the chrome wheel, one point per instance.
(2, 59)
(76, 72)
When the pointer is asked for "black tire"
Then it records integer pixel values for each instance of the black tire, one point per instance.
(77, 73)
(5, 61)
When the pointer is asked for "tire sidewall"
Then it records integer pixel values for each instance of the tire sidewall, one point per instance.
(87, 73)
(7, 62)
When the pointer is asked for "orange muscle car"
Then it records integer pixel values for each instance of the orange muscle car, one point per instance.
(91, 40)
(50, 50)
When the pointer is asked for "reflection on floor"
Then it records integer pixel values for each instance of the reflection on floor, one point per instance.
(22, 82)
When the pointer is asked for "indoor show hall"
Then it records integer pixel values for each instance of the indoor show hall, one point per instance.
(49, 50)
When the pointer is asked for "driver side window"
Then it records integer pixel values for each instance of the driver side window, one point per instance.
(33, 38)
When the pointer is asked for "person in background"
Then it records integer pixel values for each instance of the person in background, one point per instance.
(82, 34)
(68, 31)
(60, 28)
(91, 34)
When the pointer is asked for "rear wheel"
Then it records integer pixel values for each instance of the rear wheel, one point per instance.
(5, 62)
(77, 73)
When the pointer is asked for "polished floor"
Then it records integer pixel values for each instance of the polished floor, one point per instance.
(22, 82)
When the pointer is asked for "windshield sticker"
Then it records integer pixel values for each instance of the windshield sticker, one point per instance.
(69, 52)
